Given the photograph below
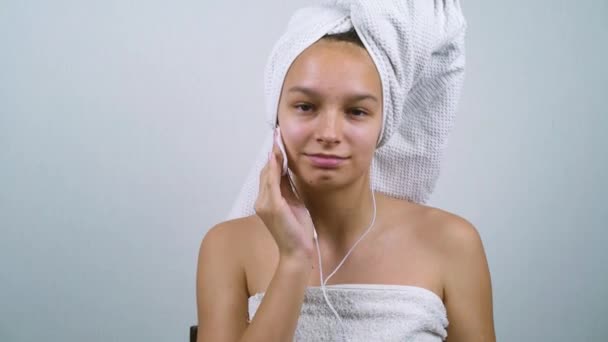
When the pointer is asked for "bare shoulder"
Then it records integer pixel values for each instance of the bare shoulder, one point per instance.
(221, 252)
(446, 231)
(232, 242)
(455, 239)
(453, 233)
(221, 285)
(232, 234)
(466, 274)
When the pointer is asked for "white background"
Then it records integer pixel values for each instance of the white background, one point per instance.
(127, 129)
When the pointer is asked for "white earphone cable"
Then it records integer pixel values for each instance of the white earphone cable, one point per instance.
(316, 239)
(324, 281)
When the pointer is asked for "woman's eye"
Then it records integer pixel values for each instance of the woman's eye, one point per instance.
(303, 107)
(358, 112)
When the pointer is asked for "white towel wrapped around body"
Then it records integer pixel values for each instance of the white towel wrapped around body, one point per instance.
(418, 49)
(370, 312)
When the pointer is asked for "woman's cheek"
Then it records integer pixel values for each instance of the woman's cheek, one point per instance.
(294, 133)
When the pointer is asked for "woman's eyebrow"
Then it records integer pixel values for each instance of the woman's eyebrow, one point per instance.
(312, 93)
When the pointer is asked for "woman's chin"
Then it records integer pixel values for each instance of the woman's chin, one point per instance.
(323, 180)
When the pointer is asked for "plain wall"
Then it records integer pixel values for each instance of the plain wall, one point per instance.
(127, 128)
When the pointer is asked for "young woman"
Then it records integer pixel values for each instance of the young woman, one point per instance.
(417, 273)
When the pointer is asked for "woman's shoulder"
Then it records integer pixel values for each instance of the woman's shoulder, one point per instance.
(465, 275)
(236, 225)
(451, 231)
(455, 240)
(235, 232)
(446, 230)
(239, 239)
(243, 244)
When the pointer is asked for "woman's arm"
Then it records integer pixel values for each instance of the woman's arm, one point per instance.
(222, 296)
(468, 289)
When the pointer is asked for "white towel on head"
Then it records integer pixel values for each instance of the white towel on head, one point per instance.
(370, 312)
(418, 49)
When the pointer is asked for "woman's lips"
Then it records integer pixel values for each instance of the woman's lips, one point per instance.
(326, 162)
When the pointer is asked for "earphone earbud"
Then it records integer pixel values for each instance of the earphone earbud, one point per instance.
(279, 141)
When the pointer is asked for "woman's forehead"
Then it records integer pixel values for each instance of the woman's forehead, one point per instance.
(334, 66)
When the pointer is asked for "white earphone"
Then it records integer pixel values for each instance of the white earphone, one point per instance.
(285, 170)
(279, 141)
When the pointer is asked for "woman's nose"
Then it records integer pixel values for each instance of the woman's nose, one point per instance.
(329, 130)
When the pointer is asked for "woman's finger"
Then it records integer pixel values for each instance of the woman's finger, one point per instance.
(288, 192)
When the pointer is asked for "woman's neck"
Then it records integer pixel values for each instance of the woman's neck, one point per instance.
(340, 215)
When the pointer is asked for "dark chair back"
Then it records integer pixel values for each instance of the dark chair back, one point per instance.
(193, 331)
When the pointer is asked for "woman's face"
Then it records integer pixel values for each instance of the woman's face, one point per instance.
(331, 103)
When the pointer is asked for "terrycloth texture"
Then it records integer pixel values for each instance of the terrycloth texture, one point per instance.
(370, 313)
(418, 49)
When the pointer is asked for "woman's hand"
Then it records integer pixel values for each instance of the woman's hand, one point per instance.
(285, 216)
